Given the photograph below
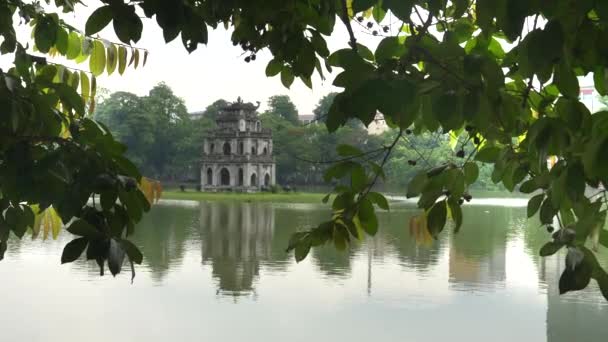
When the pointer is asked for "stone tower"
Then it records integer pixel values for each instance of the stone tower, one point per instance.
(237, 155)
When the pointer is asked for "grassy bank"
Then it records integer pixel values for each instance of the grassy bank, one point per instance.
(298, 197)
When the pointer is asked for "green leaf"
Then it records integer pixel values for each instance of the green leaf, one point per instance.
(274, 67)
(416, 185)
(547, 212)
(83, 228)
(471, 172)
(319, 44)
(379, 199)
(73, 250)
(99, 19)
(74, 45)
(97, 61)
(365, 52)
(600, 80)
(302, 249)
(345, 150)
(455, 182)
(534, 204)
(359, 178)
(485, 12)
(127, 24)
(45, 33)
(132, 251)
(62, 41)
(3, 247)
(488, 154)
(577, 279)
(379, 13)
(287, 77)
(389, 48)
(566, 81)
(437, 217)
(112, 55)
(116, 257)
(456, 212)
(85, 86)
(550, 248)
(122, 59)
(367, 216)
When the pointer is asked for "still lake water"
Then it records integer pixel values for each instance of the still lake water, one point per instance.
(219, 272)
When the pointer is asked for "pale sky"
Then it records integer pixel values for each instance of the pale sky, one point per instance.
(214, 71)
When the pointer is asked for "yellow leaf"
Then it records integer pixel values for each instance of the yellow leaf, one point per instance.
(418, 230)
(349, 7)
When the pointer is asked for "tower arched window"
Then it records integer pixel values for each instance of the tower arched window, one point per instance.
(241, 148)
(227, 149)
(209, 176)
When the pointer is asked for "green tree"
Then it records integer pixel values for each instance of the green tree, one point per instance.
(281, 105)
(160, 137)
(515, 107)
(168, 111)
(322, 109)
(212, 110)
(131, 123)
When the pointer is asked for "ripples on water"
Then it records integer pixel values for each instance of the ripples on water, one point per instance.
(219, 271)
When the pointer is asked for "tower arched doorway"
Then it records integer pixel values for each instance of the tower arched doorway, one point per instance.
(254, 179)
(225, 177)
(209, 176)
(267, 180)
(241, 177)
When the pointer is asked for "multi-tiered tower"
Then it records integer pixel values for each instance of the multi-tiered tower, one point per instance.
(237, 155)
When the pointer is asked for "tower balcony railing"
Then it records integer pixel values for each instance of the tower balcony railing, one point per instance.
(238, 158)
(231, 133)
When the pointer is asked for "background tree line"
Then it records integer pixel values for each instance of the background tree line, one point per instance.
(165, 141)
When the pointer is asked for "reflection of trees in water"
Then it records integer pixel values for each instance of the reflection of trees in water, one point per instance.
(162, 235)
(478, 251)
(236, 238)
(394, 234)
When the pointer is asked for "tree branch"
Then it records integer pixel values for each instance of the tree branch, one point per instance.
(346, 20)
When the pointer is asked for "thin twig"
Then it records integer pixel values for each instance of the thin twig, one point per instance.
(416, 150)
(388, 153)
(346, 20)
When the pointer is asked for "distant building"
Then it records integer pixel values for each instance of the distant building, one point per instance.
(378, 126)
(306, 118)
(590, 98)
(197, 115)
(237, 155)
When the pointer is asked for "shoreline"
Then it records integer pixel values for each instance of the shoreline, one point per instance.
(297, 197)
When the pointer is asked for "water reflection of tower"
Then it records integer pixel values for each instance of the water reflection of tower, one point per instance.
(479, 257)
(236, 239)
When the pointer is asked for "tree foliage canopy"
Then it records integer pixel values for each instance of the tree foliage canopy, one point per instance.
(282, 106)
(439, 66)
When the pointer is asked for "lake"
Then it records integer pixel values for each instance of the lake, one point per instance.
(219, 272)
